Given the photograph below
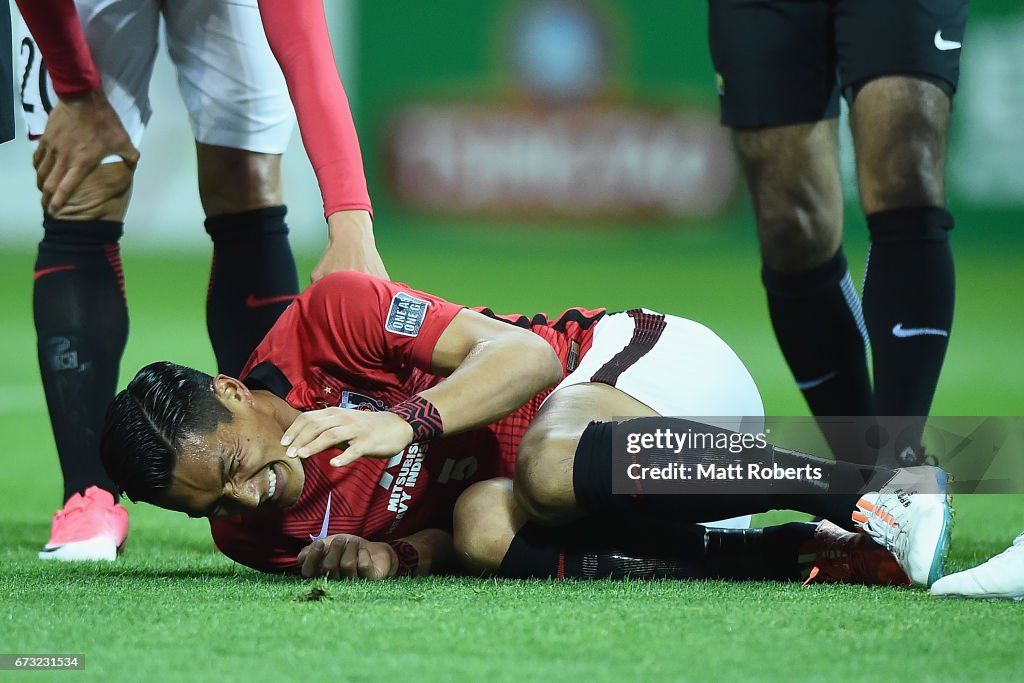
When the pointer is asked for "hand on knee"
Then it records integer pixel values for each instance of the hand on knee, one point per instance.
(103, 195)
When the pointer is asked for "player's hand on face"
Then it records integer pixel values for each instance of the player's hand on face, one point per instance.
(79, 134)
(358, 432)
(343, 556)
(350, 246)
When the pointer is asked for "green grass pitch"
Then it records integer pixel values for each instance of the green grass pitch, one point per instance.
(173, 609)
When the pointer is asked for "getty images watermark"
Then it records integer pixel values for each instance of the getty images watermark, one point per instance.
(735, 455)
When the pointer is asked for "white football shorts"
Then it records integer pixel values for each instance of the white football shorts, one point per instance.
(231, 84)
(683, 370)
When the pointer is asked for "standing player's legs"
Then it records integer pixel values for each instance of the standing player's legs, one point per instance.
(793, 176)
(242, 119)
(899, 63)
(776, 68)
(79, 303)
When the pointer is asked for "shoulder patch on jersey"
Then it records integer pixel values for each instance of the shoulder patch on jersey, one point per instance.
(406, 314)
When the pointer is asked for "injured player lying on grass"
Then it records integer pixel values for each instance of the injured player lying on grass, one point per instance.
(405, 435)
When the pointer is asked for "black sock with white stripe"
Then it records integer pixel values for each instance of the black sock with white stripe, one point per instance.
(908, 305)
(817, 319)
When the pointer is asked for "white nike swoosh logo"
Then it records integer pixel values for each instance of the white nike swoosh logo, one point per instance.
(943, 44)
(810, 384)
(899, 331)
(327, 520)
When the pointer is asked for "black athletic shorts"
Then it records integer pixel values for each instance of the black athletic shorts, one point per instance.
(782, 62)
(6, 76)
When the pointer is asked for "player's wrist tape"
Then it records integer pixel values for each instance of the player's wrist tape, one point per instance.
(408, 558)
(422, 416)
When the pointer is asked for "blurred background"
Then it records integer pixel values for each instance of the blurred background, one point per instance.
(537, 154)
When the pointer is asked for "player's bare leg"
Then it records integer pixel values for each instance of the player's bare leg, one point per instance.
(485, 521)
(81, 320)
(793, 175)
(237, 180)
(544, 467)
(253, 276)
(900, 128)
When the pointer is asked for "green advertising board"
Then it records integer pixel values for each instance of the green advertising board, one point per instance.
(605, 112)
(593, 111)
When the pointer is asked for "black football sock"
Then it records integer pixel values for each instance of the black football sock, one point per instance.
(833, 496)
(818, 323)
(81, 326)
(589, 549)
(908, 304)
(768, 554)
(593, 550)
(252, 280)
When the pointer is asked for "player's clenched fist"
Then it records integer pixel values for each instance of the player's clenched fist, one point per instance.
(357, 432)
(344, 556)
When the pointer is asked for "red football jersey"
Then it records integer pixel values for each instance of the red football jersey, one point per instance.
(355, 341)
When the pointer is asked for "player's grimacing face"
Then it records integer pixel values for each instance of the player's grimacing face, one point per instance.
(238, 468)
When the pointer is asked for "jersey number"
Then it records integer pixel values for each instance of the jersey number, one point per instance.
(44, 95)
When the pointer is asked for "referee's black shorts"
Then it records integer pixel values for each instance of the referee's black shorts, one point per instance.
(781, 62)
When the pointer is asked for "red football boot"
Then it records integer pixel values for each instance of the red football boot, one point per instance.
(834, 555)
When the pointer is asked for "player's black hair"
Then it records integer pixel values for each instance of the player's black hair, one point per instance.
(148, 422)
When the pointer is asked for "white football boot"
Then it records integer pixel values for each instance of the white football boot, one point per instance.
(1000, 577)
(910, 516)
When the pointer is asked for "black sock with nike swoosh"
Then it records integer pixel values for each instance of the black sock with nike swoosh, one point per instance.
(252, 280)
(908, 306)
